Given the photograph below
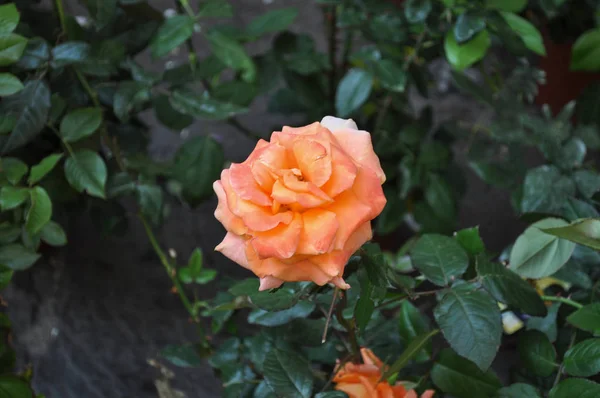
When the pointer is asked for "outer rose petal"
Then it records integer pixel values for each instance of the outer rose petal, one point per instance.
(320, 227)
(369, 191)
(369, 358)
(269, 282)
(280, 242)
(222, 213)
(351, 214)
(243, 183)
(428, 394)
(313, 160)
(357, 143)
(384, 390)
(233, 247)
(336, 123)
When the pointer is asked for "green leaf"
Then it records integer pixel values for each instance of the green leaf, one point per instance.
(30, 106)
(272, 21)
(587, 318)
(527, 31)
(470, 240)
(470, 321)
(482, 93)
(391, 74)
(9, 233)
(71, 52)
(80, 123)
(197, 164)
(288, 374)
(537, 254)
(11, 48)
(439, 258)
(545, 190)
(183, 356)
(507, 287)
(507, 5)
(330, 394)
(12, 197)
(14, 169)
(40, 212)
(17, 257)
(571, 388)
(13, 387)
(103, 12)
(41, 169)
(375, 266)
(583, 359)
(266, 318)
(571, 154)
(363, 311)
(36, 54)
(215, 9)
(537, 353)
(587, 181)
(584, 232)
(280, 299)
(462, 56)
(201, 106)
(353, 91)
(461, 378)
(9, 84)
(414, 348)
(586, 51)
(9, 18)
(439, 196)
(167, 115)
(129, 97)
(150, 200)
(86, 171)
(172, 33)
(412, 324)
(391, 218)
(518, 390)
(232, 54)
(416, 11)
(547, 324)
(468, 25)
(53, 234)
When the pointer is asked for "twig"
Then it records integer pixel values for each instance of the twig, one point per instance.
(349, 326)
(328, 319)
(563, 300)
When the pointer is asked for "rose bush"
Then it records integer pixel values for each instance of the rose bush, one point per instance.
(301, 204)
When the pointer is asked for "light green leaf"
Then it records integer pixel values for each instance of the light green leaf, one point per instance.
(232, 54)
(584, 232)
(215, 9)
(545, 190)
(439, 258)
(14, 169)
(414, 348)
(507, 5)
(272, 21)
(9, 84)
(17, 257)
(9, 18)
(288, 374)
(80, 123)
(518, 390)
(266, 318)
(69, 53)
(470, 321)
(53, 234)
(412, 324)
(40, 170)
(461, 378)
(462, 56)
(527, 31)
(537, 254)
(587, 318)
(470, 240)
(583, 359)
(353, 91)
(587, 181)
(86, 171)
(507, 287)
(12, 197)
(537, 353)
(40, 212)
(201, 106)
(416, 11)
(468, 25)
(571, 388)
(14, 387)
(11, 48)
(586, 51)
(173, 32)
(30, 106)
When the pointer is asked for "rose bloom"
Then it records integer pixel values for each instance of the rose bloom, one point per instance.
(363, 380)
(302, 203)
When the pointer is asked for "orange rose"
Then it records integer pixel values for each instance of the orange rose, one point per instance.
(301, 204)
(362, 380)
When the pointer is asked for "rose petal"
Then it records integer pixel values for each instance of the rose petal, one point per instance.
(255, 217)
(384, 390)
(320, 227)
(369, 358)
(342, 175)
(280, 242)
(269, 282)
(335, 123)
(340, 282)
(304, 194)
(313, 160)
(351, 214)
(369, 191)
(231, 222)
(243, 183)
(234, 248)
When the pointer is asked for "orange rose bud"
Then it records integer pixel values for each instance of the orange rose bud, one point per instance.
(363, 380)
(301, 204)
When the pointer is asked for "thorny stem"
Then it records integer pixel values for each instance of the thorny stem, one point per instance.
(563, 300)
